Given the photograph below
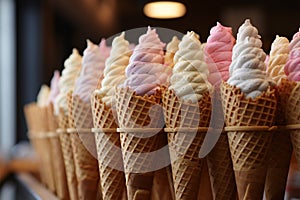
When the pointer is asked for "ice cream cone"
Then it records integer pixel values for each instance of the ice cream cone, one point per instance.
(30, 111)
(293, 116)
(185, 141)
(221, 170)
(140, 119)
(84, 149)
(109, 153)
(280, 152)
(58, 160)
(66, 145)
(248, 146)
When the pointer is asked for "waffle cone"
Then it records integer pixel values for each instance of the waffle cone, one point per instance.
(66, 147)
(293, 115)
(30, 111)
(109, 153)
(221, 170)
(280, 152)
(83, 145)
(58, 161)
(38, 119)
(136, 112)
(185, 144)
(249, 149)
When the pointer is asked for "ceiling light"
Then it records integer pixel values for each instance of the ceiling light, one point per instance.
(164, 9)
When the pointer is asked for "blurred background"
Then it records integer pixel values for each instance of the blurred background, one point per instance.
(36, 36)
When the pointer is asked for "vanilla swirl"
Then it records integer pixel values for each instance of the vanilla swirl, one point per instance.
(248, 70)
(93, 63)
(189, 79)
(146, 72)
(114, 72)
(67, 80)
(278, 57)
(172, 48)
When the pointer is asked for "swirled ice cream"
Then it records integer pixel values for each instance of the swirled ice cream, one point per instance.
(42, 97)
(145, 72)
(248, 70)
(278, 57)
(67, 80)
(114, 72)
(292, 67)
(54, 89)
(189, 79)
(218, 53)
(93, 63)
(172, 48)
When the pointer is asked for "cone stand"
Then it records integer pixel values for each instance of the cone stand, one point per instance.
(109, 153)
(187, 125)
(248, 125)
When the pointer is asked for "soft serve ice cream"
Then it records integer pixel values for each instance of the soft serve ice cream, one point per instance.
(114, 72)
(54, 89)
(67, 80)
(278, 57)
(189, 79)
(172, 48)
(42, 97)
(93, 63)
(292, 67)
(218, 51)
(248, 70)
(146, 72)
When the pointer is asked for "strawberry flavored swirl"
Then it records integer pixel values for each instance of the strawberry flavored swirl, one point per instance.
(292, 67)
(218, 51)
(93, 63)
(146, 72)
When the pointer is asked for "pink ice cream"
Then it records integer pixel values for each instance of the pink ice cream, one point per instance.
(292, 67)
(218, 50)
(54, 89)
(145, 71)
(93, 63)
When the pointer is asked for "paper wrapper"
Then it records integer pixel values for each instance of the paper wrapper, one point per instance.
(140, 121)
(37, 118)
(281, 150)
(249, 147)
(66, 145)
(58, 160)
(185, 141)
(84, 150)
(109, 153)
(293, 116)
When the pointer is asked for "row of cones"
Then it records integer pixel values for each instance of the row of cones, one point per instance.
(120, 153)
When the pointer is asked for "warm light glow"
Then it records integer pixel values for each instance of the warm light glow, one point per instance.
(164, 9)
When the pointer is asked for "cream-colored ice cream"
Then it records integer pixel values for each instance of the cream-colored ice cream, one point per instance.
(248, 70)
(42, 97)
(54, 89)
(114, 72)
(172, 48)
(67, 81)
(93, 63)
(189, 79)
(278, 57)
